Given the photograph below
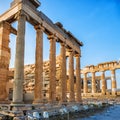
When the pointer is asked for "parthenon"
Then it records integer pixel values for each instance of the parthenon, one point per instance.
(101, 68)
(26, 10)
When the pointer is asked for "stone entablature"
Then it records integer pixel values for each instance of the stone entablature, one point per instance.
(113, 65)
(36, 17)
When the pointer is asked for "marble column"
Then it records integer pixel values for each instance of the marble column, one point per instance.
(19, 61)
(114, 86)
(5, 29)
(78, 79)
(103, 83)
(85, 84)
(71, 76)
(38, 97)
(98, 85)
(93, 83)
(106, 84)
(63, 77)
(52, 73)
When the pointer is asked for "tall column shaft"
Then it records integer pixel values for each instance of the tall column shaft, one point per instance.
(4, 58)
(78, 79)
(38, 65)
(103, 83)
(98, 85)
(114, 86)
(85, 84)
(63, 77)
(52, 57)
(19, 61)
(106, 84)
(93, 83)
(71, 77)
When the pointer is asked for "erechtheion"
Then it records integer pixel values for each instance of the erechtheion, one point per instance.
(26, 10)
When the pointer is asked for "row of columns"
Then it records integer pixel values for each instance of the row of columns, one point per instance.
(19, 67)
(103, 81)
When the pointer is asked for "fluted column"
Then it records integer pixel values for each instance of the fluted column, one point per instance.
(78, 79)
(52, 73)
(106, 84)
(71, 76)
(4, 59)
(85, 84)
(63, 77)
(103, 83)
(114, 86)
(98, 85)
(93, 83)
(38, 97)
(19, 61)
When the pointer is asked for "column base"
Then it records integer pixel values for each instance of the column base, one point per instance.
(80, 101)
(63, 103)
(17, 103)
(17, 106)
(52, 102)
(72, 101)
(37, 102)
(5, 102)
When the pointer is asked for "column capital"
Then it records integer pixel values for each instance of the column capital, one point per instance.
(21, 13)
(77, 55)
(112, 71)
(39, 27)
(8, 26)
(63, 44)
(52, 37)
(70, 52)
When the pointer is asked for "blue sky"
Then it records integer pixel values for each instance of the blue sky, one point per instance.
(95, 22)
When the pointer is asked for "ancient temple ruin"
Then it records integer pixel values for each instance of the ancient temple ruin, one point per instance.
(26, 10)
(101, 68)
(101, 85)
(29, 82)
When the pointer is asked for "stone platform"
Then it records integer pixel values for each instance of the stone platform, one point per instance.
(50, 111)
